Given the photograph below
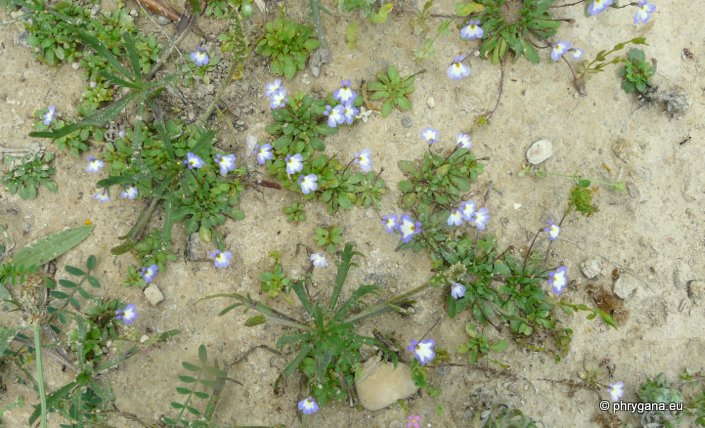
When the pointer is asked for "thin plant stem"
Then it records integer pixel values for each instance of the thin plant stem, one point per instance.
(489, 114)
(40, 371)
(389, 305)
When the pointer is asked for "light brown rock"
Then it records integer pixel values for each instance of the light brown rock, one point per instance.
(380, 384)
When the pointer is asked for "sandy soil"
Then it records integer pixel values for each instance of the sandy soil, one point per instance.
(653, 233)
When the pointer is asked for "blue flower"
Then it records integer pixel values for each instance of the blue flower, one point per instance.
(472, 31)
(345, 94)
(455, 218)
(553, 230)
(364, 160)
(598, 6)
(558, 279)
(480, 218)
(391, 223)
(200, 57)
(264, 153)
(49, 115)
(457, 290)
(559, 49)
(408, 228)
(457, 70)
(294, 163)
(430, 135)
(423, 351)
(148, 273)
(308, 406)
(102, 197)
(129, 193)
(226, 163)
(221, 258)
(467, 209)
(644, 10)
(349, 113)
(319, 260)
(336, 115)
(193, 161)
(308, 183)
(272, 87)
(94, 165)
(128, 314)
(577, 53)
(464, 141)
(278, 99)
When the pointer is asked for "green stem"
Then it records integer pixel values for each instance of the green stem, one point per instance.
(315, 7)
(40, 370)
(387, 306)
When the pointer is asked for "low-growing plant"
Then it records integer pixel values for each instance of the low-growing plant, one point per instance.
(275, 282)
(202, 378)
(637, 72)
(328, 238)
(393, 90)
(288, 44)
(295, 212)
(479, 345)
(659, 390)
(326, 344)
(27, 174)
(601, 61)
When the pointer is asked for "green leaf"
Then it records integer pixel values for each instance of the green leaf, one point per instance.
(465, 9)
(74, 271)
(298, 288)
(202, 354)
(403, 103)
(380, 17)
(6, 336)
(255, 320)
(49, 247)
(190, 366)
(187, 379)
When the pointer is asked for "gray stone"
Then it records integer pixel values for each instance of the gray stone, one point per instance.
(626, 286)
(591, 268)
(380, 384)
(195, 249)
(682, 275)
(539, 152)
(431, 102)
(696, 290)
(406, 122)
(153, 295)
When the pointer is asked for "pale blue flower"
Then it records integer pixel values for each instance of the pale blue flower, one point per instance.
(644, 10)
(148, 273)
(480, 218)
(423, 351)
(616, 390)
(200, 57)
(308, 183)
(226, 163)
(128, 314)
(221, 259)
(308, 406)
(336, 115)
(272, 87)
(558, 279)
(278, 99)
(363, 159)
(319, 260)
(464, 141)
(345, 94)
(457, 70)
(559, 49)
(468, 208)
(455, 218)
(430, 135)
(294, 163)
(408, 228)
(349, 113)
(264, 153)
(94, 165)
(193, 161)
(49, 115)
(129, 193)
(598, 6)
(472, 31)
(102, 197)
(577, 53)
(553, 230)
(457, 290)
(391, 223)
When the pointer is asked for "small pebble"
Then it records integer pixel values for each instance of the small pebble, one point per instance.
(591, 268)
(75, 65)
(406, 122)
(163, 21)
(539, 152)
(144, 338)
(134, 13)
(153, 295)
(431, 102)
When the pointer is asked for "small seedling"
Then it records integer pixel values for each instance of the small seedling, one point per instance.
(393, 90)
(275, 282)
(295, 212)
(328, 238)
(637, 72)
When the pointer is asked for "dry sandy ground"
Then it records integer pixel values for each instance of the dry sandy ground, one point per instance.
(654, 234)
